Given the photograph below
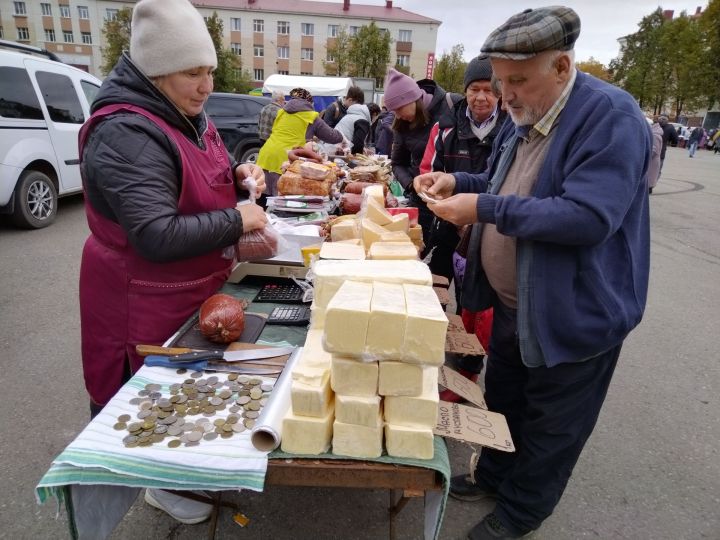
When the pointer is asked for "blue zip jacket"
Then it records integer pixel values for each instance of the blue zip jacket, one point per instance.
(583, 236)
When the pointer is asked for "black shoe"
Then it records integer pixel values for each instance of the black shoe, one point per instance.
(490, 528)
(463, 488)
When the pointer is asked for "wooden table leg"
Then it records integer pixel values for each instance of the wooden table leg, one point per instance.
(396, 507)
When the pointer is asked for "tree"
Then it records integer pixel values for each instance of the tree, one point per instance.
(229, 75)
(370, 52)
(641, 68)
(117, 36)
(450, 70)
(709, 24)
(594, 68)
(339, 51)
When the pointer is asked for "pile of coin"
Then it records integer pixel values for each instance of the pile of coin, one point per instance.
(159, 418)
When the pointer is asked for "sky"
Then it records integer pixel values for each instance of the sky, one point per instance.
(602, 21)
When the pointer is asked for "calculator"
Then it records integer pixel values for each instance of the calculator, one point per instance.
(290, 315)
(286, 293)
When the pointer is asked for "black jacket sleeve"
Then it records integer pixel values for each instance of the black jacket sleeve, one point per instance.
(132, 175)
(362, 129)
(401, 160)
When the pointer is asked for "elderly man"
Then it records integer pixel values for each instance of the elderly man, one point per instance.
(563, 235)
(268, 114)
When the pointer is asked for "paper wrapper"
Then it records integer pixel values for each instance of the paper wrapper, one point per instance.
(268, 429)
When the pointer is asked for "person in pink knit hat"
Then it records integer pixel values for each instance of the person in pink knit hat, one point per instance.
(417, 106)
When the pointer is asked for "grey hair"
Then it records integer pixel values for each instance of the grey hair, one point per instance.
(277, 94)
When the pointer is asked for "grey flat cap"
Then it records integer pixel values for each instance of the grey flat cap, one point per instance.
(533, 31)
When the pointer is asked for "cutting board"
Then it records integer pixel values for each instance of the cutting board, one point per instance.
(190, 336)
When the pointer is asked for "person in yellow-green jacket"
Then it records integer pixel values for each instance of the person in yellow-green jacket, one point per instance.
(296, 123)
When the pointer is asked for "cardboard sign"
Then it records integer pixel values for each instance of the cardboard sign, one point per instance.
(474, 425)
(443, 295)
(455, 323)
(462, 386)
(463, 343)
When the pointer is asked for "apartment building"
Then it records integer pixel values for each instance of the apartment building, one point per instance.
(270, 36)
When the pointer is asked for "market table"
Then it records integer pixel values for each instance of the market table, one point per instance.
(97, 479)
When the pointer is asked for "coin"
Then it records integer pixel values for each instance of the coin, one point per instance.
(194, 436)
(232, 376)
(256, 393)
(210, 436)
(181, 371)
(226, 434)
(232, 419)
(212, 380)
(249, 423)
(255, 382)
(251, 414)
(243, 379)
(242, 400)
(174, 430)
(174, 443)
(238, 428)
(266, 387)
(120, 426)
(196, 374)
(219, 422)
(123, 418)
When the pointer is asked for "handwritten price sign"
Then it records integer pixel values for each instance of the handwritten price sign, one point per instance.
(474, 425)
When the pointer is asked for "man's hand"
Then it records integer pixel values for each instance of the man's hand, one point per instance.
(245, 170)
(459, 209)
(438, 185)
(253, 216)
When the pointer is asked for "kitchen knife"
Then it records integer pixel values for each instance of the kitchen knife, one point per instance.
(204, 365)
(247, 355)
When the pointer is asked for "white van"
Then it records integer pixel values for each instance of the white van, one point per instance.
(43, 105)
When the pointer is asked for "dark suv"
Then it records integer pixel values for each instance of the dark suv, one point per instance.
(236, 118)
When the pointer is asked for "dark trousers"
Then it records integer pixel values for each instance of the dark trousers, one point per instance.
(551, 413)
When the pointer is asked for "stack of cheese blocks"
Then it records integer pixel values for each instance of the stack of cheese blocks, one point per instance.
(381, 337)
(381, 236)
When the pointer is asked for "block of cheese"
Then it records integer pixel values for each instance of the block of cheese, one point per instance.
(352, 242)
(310, 399)
(399, 222)
(411, 211)
(394, 236)
(313, 353)
(357, 441)
(371, 232)
(376, 212)
(393, 251)
(343, 251)
(415, 233)
(409, 442)
(425, 328)
(377, 192)
(360, 410)
(385, 335)
(401, 378)
(317, 317)
(307, 434)
(329, 275)
(347, 317)
(416, 411)
(351, 377)
(345, 230)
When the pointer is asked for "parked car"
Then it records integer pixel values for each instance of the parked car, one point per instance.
(43, 104)
(236, 118)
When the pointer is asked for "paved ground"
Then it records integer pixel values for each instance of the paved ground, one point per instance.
(650, 471)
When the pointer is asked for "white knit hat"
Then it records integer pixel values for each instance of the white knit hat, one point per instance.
(168, 36)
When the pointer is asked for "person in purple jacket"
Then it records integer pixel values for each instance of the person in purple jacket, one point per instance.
(564, 244)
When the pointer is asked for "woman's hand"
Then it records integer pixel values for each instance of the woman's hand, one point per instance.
(253, 216)
(245, 170)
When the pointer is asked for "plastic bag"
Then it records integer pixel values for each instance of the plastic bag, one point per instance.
(259, 244)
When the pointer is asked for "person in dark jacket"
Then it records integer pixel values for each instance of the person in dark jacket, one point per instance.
(694, 140)
(296, 124)
(374, 110)
(384, 133)
(417, 107)
(463, 144)
(161, 198)
(669, 136)
(334, 112)
(563, 242)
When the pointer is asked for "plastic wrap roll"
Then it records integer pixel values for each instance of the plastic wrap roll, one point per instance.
(268, 429)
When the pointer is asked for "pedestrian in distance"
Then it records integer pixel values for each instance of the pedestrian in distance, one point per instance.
(694, 140)
(161, 198)
(670, 136)
(268, 115)
(384, 133)
(564, 260)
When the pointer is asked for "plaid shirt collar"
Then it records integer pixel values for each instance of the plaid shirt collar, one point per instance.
(485, 122)
(547, 121)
